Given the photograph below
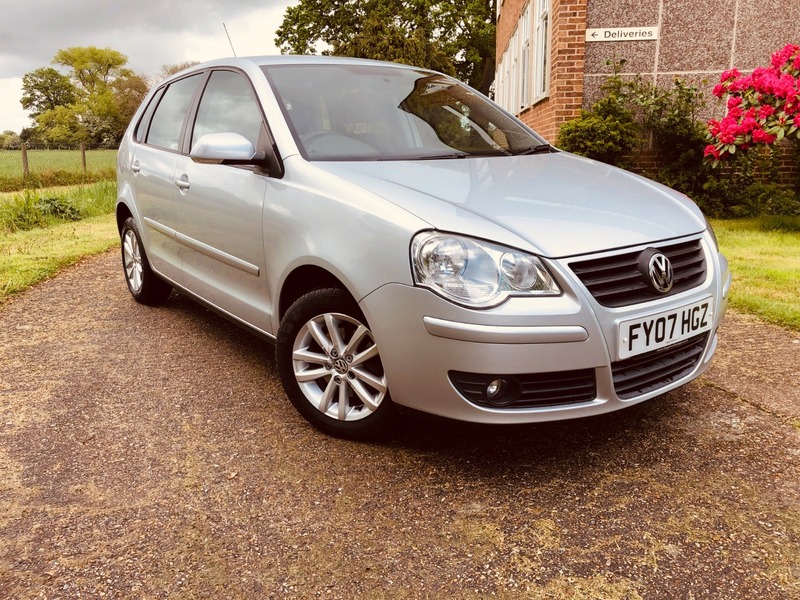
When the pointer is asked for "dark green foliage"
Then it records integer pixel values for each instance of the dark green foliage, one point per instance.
(602, 138)
(44, 89)
(608, 131)
(773, 199)
(670, 118)
(747, 186)
(726, 197)
(633, 114)
(61, 208)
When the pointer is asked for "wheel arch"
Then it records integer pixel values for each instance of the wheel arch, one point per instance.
(305, 279)
(123, 213)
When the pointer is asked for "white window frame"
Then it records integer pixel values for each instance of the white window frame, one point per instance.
(541, 56)
(523, 72)
(524, 29)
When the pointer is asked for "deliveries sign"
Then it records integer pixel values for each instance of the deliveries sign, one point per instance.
(622, 34)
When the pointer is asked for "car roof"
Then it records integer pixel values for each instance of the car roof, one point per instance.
(251, 64)
(293, 59)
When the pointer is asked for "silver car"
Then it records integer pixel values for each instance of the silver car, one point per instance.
(407, 243)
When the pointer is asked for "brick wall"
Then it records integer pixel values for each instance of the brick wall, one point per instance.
(568, 27)
(510, 12)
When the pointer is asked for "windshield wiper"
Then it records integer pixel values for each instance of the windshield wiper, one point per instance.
(442, 156)
(537, 149)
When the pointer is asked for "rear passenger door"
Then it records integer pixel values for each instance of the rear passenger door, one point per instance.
(153, 165)
(219, 208)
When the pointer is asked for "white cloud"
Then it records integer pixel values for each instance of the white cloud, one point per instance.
(12, 117)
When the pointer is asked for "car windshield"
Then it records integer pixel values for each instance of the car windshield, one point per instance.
(365, 112)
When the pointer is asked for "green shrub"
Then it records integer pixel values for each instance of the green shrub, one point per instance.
(670, 119)
(607, 132)
(59, 207)
(32, 209)
(21, 213)
(602, 138)
(746, 186)
(760, 198)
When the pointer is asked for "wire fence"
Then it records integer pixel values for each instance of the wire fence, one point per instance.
(27, 167)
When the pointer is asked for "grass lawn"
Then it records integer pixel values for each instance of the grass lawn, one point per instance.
(27, 257)
(40, 161)
(39, 236)
(766, 268)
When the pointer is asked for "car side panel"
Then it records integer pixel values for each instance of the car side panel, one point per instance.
(153, 187)
(219, 219)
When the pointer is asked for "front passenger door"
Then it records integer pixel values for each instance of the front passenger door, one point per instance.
(219, 208)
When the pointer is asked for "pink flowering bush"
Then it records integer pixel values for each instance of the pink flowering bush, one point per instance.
(763, 107)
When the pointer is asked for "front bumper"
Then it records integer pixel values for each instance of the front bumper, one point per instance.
(424, 340)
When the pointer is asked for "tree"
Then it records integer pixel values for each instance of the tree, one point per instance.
(63, 126)
(92, 105)
(170, 69)
(45, 88)
(453, 36)
(92, 68)
(129, 91)
(10, 140)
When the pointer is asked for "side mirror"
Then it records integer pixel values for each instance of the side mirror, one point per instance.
(229, 147)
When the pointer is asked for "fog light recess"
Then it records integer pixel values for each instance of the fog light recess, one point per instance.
(502, 391)
(525, 390)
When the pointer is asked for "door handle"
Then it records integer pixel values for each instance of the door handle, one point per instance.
(183, 182)
(136, 168)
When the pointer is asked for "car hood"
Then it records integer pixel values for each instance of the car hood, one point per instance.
(559, 204)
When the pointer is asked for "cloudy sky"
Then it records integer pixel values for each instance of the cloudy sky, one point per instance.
(150, 33)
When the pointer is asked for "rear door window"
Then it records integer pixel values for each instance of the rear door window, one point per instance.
(167, 122)
(144, 122)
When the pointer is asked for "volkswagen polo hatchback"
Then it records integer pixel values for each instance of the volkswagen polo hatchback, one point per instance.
(406, 242)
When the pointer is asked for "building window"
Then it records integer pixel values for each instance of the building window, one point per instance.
(524, 30)
(541, 68)
(522, 72)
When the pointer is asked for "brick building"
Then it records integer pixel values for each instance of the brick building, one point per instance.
(549, 66)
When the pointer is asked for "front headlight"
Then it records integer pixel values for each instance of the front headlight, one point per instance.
(477, 273)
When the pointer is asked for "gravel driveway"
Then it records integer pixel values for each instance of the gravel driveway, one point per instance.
(151, 453)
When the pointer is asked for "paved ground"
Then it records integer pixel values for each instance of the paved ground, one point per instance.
(150, 453)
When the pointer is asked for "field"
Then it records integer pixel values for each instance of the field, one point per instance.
(41, 161)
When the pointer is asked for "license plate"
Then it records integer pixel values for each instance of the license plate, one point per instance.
(644, 334)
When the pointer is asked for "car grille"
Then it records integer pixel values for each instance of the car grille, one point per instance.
(648, 372)
(532, 390)
(616, 281)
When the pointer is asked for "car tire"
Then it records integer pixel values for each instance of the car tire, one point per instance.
(144, 285)
(330, 367)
